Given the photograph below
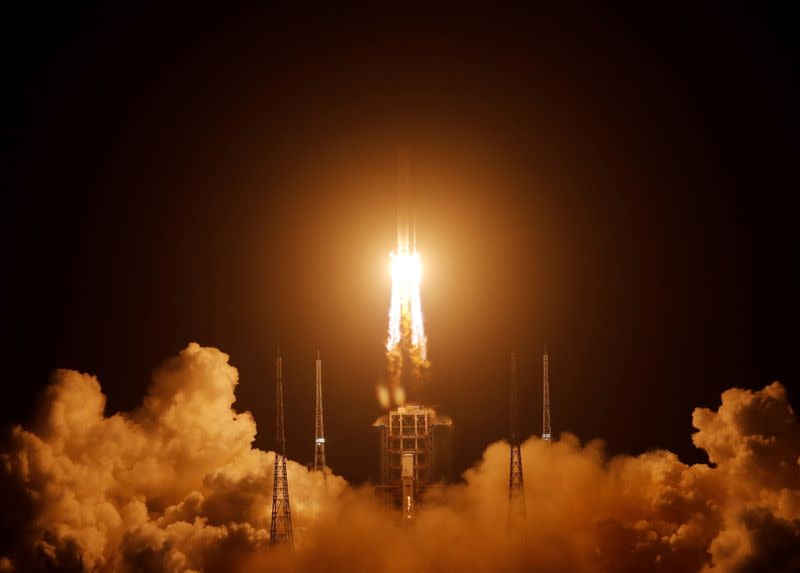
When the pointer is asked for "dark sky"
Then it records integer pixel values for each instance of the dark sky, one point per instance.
(614, 185)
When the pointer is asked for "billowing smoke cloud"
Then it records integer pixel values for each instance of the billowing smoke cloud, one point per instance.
(176, 486)
(173, 486)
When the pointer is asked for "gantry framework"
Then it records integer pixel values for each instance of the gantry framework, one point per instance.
(414, 453)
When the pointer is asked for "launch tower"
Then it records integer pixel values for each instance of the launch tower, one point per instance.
(414, 453)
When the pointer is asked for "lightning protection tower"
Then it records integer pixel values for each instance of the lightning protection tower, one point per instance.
(546, 430)
(319, 439)
(516, 488)
(280, 530)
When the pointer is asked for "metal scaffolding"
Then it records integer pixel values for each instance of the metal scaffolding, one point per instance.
(414, 453)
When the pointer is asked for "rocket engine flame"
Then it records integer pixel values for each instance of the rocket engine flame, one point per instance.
(406, 302)
(406, 341)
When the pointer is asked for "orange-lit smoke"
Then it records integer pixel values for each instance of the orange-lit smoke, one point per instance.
(176, 486)
(406, 345)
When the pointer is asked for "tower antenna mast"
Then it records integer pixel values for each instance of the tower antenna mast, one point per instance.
(516, 488)
(319, 436)
(280, 530)
(546, 430)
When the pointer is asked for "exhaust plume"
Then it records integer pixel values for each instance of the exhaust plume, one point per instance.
(406, 345)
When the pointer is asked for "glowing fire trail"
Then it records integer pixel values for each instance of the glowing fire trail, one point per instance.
(406, 341)
(406, 302)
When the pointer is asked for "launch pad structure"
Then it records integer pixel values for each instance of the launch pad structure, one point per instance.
(415, 453)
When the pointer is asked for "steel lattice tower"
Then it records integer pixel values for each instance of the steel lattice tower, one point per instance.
(516, 487)
(319, 439)
(280, 530)
(546, 430)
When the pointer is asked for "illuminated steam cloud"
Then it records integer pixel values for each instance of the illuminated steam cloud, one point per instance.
(406, 345)
(176, 486)
(173, 486)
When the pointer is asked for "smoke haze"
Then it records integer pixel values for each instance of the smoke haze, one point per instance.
(176, 486)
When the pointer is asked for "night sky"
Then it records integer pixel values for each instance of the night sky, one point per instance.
(615, 186)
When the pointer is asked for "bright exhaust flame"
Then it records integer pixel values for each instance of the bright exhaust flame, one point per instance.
(406, 342)
(406, 302)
